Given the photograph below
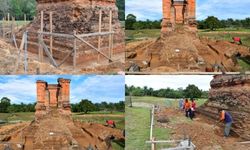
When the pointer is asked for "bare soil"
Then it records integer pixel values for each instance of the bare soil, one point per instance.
(203, 132)
(184, 51)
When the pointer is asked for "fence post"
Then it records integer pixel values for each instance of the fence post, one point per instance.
(110, 35)
(99, 37)
(74, 55)
(25, 53)
(51, 37)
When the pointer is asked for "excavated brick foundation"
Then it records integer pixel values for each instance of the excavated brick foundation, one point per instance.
(231, 93)
(81, 16)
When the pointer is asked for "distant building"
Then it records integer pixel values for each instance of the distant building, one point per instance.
(178, 12)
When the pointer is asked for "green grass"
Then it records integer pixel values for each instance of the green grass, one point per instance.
(17, 23)
(219, 34)
(132, 35)
(22, 116)
(138, 123)
(120, 121)
(137, 128)
(101, 113)
(168, 102)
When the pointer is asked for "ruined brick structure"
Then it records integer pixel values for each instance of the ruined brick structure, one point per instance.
(178, 12)
(81, 16)
(231, 93)
(53, 96)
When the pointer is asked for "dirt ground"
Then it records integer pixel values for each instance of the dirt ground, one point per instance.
(203, 132)
(58, 132)
(9, 59)
(183, 51)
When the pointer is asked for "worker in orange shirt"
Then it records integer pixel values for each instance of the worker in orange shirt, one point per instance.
(187, 108)
(228, 119)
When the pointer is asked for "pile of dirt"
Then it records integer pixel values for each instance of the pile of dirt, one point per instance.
(82, 17)
(202, 131)
(231, 93)
(55, 131)
(183, 50)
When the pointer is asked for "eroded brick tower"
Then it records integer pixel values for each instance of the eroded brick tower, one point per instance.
(178, 12)
(53, 97)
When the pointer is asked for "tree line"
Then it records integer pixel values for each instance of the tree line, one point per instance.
(210, 23)
(18, 8)
(84, 105)
(191, 91)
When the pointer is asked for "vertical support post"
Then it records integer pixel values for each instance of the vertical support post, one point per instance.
(25, 19)
(40, 37)
(51, 37)
(8, 18)
(25, 53)
(74, 57)
(99, 37)
(3, 26)
(153, 145)
(151, 128)
(110, 35)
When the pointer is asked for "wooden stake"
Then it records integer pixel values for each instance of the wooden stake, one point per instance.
(41, 50)
(99, 37)
(110, 36)
(51, 37)
(8, 18)
(25, 19)
(74, 57)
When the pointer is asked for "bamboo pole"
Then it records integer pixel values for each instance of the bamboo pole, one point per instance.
(25, 53)
(74, 57)
(51, 37)
(110, 36)
(99, 37)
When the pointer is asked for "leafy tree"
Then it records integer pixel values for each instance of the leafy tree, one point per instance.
(192, 91)
(121, 9)
(212, 23)
(130, 20)
(86, 106)
(4, 104)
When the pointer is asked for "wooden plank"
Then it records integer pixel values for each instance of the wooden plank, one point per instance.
(57, 34)
(65, 58)
(48, 53)
(99, 37)
(92, 47)
(51, 37)
(96, 34)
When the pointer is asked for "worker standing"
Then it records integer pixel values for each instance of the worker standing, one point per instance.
(193, 108)
(187, 108)
(227, 118)
(181, 104)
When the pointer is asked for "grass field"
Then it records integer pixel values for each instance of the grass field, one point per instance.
(138, 123)
(168, 102)
(219, 34)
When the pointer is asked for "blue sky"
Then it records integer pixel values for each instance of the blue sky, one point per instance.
(95, 88)
(223, 9)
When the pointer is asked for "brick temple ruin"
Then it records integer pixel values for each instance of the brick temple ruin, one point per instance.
(231, 93)
(77, 17)
(178, 12)
(179, 47)
(54, 128)
(53, 96)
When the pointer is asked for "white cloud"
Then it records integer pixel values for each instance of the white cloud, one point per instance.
(171, 81)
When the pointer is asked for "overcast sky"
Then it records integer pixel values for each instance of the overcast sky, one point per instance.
(164, 81)
(95, 88)
(223, 9)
